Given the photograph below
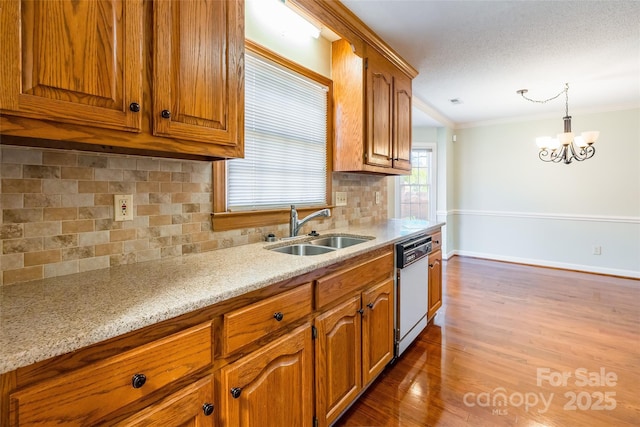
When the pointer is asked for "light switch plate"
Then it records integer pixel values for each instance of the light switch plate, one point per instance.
(341, 198)
(123, 207)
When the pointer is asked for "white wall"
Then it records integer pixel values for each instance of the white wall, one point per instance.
(314, 54)
(509, 205)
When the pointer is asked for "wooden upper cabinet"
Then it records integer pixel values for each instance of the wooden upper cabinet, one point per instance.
(198, 70)
(379, 99)
(73, 62)
(402, 123)
(372, 112)
(169, 73)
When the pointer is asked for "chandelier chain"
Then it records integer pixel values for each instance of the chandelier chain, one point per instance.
(544, 101)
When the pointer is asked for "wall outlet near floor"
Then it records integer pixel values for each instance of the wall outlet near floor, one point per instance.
(597, 250)
(341, 198)
(378, 197)
(123, 207)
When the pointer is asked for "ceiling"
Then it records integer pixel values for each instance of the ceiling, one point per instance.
(482, 52)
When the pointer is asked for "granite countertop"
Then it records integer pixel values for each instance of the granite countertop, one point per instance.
(50, 317)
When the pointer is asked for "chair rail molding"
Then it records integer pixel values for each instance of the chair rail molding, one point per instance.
(552, 216)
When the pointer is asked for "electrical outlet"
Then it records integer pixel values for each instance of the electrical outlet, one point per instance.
(341, 198)
(597, 250)
(378, 197)
(123, 207)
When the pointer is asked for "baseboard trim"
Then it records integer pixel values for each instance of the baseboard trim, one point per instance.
(631, 274)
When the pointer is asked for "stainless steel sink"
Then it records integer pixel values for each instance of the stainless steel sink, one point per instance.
(320, 245)
(303, 249)
(338, 242)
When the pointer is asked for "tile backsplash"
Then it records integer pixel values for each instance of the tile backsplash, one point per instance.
(56, 210)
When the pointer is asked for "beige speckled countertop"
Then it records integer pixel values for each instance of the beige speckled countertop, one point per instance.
(49, 317)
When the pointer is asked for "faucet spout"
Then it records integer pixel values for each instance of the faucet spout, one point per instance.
(295, 224)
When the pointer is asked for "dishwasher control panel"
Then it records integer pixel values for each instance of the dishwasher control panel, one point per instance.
(411, 250)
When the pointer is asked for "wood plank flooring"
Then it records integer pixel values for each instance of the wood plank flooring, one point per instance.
(516, 345)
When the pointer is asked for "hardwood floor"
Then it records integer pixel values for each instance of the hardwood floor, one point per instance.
(500, 346)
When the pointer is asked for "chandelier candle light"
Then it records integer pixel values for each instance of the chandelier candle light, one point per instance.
(565, 147)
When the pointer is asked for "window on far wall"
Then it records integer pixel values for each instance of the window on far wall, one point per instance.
(287, 161)
(415, 193)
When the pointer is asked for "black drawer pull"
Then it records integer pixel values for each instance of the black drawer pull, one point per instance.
(370, 305)
(236, 392)
(207, 408)
(278, 316)
(138, 380)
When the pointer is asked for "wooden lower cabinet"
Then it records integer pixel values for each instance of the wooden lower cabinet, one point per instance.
(253, 361)
(272, 386)
(338, 361)
(354, 344)
(192, 406)
(377, 329)
(435, 283)
(93, 394)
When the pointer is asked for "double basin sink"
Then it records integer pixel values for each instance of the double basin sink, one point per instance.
(320, 245)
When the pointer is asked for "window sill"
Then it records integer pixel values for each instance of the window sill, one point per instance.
(224, 221)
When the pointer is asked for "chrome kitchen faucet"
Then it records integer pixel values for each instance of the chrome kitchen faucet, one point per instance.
(295, 224)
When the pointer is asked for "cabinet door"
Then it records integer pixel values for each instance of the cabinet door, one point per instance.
(435, 283)
(402, 123)
(272, 386)
(199, 71)
(191, 406)
(377, 329)
(73, 61)
(338, 359)
(379, 100)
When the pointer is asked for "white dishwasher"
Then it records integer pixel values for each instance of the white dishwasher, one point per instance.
(412, 289)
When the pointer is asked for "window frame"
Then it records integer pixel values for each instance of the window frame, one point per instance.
(433, 194)
(222, 218)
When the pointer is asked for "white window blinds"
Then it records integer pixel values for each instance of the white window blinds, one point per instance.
(285, 140)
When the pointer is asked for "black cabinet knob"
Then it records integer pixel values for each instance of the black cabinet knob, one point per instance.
(166, 114)
(134, 106)
(236, 392)
(278, 316)
(207, 408)
(361, 311)
(370, 305)
(138, 380)
(430, 265)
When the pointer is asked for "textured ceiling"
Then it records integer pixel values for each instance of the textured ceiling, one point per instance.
(482, 52)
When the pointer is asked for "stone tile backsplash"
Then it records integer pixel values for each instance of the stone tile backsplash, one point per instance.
(56, 210)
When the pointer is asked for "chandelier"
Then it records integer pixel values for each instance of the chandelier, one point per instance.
(565, 147)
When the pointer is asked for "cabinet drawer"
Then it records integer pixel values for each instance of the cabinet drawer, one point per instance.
(190, 406)
(436, 241)
(334, 286)
(87, 395)
(248, 324)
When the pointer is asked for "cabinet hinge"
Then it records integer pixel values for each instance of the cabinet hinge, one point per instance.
(366, 63)
(314, 332)
(315, 421)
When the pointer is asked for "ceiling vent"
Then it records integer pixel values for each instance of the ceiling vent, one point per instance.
(455, 101)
